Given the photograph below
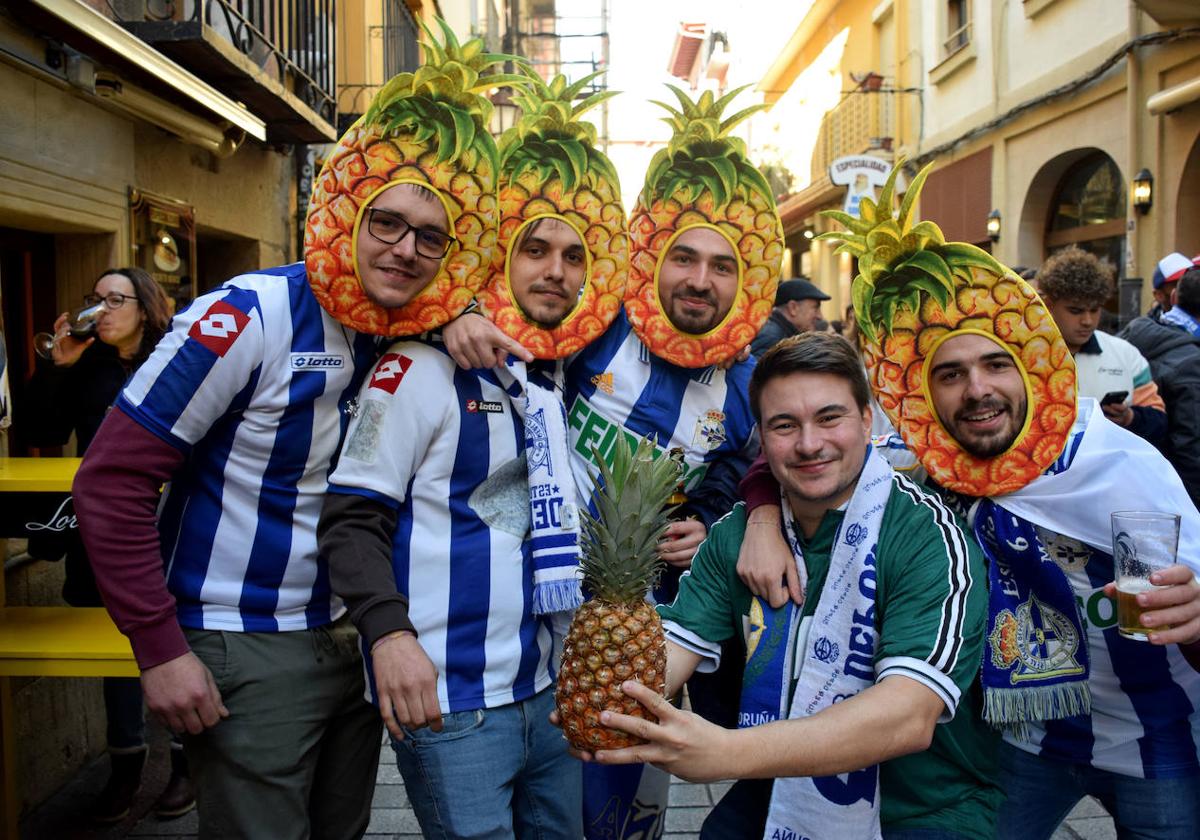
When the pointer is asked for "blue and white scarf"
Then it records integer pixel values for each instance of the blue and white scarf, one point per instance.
(781, 643)
(536, 392)
(1037, 666)
(1178, 318)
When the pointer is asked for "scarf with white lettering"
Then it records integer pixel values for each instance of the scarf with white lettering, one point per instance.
(1177, 317)
(833, 663)
(1036, 666)
(536, 392)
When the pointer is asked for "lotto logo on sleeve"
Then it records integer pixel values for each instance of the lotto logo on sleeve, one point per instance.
(389, 372)
(219, 327)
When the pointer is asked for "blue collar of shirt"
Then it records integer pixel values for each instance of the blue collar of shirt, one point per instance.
(1092, 345)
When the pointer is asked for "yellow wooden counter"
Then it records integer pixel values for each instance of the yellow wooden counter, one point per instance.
(47, 641)
(37, 475)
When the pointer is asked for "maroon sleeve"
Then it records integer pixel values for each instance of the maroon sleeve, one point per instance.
(759, 487)
(116, 493)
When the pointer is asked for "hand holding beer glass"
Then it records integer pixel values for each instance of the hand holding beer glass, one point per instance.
(1143, 542)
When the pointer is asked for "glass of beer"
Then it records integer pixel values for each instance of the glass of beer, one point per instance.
(1143, 542)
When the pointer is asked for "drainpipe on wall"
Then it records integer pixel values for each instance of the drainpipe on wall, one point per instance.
(1134, 238)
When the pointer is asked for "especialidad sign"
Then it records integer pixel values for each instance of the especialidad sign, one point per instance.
(861, 175)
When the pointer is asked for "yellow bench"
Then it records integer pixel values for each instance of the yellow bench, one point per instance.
(47, 641)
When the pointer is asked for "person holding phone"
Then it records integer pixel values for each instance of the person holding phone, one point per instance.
(1074, 285)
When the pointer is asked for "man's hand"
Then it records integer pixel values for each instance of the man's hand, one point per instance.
(737, 358)
(1177, 605)
(1119, 413)
(182, 694)
(475, 342)
(681, 743)
(66, 349)
(406, 683)
(679, 543)
(765, 563)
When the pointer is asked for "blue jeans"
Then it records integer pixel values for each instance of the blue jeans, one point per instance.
(1041, 792)
(493, 773)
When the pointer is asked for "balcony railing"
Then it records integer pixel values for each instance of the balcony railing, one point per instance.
(400, 51)
(863, 121)
(277, 56)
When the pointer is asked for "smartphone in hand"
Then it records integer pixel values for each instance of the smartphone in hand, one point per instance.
(1114, 397)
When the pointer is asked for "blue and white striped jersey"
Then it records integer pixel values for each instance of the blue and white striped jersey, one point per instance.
(445, 447)
(1145, 719)
(617, 383)
(250, 382)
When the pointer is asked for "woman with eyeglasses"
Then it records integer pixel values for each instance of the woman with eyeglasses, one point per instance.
(72, 393)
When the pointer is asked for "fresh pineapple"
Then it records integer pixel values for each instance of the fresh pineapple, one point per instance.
(549, 166)
(913, 289)
(427, 127)
(617, 635)
(703, 177)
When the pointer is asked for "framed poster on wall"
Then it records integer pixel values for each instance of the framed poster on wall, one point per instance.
(163, 242)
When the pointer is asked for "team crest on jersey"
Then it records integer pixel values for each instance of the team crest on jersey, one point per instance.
(219, 327)
(710, 430)
(486, 406)
(1069, 554)
(604, 381)
(390, 371)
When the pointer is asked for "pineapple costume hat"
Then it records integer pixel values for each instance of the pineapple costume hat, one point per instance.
(550, 169)
(427, 128)
(704, 179)
(913, 291)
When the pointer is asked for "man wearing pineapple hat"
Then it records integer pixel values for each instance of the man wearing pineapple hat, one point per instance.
(241, 642)
(988, 405)
(886, 644)
(434, 531)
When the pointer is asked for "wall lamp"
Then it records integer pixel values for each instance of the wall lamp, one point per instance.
(993, 225)
(1143, 191)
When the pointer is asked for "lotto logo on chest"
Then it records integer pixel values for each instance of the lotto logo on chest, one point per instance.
(219, 327)
(317, 361)
(389, 372)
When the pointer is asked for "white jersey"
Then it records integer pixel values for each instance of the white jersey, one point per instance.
(444, 447)
(615, 384)
(250, 382)
(1106, 364)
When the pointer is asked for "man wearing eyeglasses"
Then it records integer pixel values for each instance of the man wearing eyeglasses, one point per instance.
(240, 640)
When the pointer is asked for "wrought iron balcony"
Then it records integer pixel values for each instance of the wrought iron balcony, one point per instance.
(276, 56)
(863, 121)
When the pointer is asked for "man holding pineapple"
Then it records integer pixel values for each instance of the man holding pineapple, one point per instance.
(886, 642)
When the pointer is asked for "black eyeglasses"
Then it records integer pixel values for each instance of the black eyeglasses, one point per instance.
(389, 228)
(112, 300)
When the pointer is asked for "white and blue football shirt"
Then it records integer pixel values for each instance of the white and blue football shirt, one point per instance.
(444, 447)
(250, 382)
(616, 383)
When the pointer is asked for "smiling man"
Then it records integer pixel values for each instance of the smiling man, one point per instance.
(886, 644)
(698, 280)
(978, 394)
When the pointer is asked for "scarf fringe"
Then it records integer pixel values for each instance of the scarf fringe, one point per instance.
(1012, 708)
(551, 596)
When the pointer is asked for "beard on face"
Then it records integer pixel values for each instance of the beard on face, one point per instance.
(987, 444)
(689, 321)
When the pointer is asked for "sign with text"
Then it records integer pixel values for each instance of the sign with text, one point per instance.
(861, 175)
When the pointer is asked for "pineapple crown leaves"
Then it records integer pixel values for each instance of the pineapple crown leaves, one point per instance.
(550, 139)
(620, 544)
(442, 100)
(898, 259)
(702, 156)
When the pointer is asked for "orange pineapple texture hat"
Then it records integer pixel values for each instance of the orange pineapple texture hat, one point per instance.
(704, 179)
(550, 168)
(427, 128)
(913, 291)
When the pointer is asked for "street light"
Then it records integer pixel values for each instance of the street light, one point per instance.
(504, 111)
(993, 225)
(1143, 191)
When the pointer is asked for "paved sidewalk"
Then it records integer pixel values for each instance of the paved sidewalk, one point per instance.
(63, 816)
